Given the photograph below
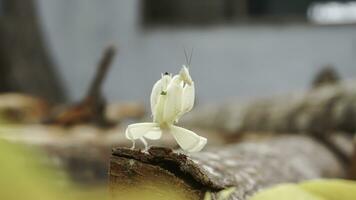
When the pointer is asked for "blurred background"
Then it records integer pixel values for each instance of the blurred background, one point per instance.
(58, 94)
(250, 46)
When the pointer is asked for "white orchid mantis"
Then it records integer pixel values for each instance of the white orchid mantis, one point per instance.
(171, 98)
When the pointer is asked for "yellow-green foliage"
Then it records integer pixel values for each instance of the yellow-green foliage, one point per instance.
(22, 176)
(285, 192)
(311, 190)
(331, 189)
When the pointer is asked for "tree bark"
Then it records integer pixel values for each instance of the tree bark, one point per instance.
(248, 166)
(25, 64)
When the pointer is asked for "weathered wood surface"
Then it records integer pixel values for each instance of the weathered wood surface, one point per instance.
(249, 166)
(321, 110)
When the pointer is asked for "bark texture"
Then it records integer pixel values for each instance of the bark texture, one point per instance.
(247, 166)
(25, 64)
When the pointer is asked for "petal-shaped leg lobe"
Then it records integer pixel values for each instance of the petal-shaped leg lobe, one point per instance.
(154, 134)
(137, 131)
(188, 140)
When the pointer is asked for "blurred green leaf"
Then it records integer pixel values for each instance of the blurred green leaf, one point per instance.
(23, 176)
(285, 192)
(332, 189)
(324, 189)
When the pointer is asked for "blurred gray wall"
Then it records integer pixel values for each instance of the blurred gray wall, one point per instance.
(228, 61)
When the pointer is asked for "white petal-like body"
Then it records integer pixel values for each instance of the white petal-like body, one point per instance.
(173, 104)
(170, 99)
(187, 100)
(159, 88)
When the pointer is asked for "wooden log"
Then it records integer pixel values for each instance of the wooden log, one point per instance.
(250, 166)
(322, 110)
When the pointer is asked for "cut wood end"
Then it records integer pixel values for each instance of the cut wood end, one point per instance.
(180, 164)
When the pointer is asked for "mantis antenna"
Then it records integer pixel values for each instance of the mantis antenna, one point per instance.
(188, 60)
